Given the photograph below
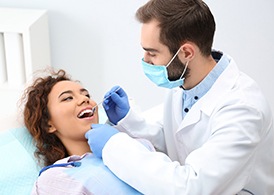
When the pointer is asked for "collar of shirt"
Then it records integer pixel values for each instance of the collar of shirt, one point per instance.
(191, 96)
(73, 158)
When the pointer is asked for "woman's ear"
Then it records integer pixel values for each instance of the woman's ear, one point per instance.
(52, 128)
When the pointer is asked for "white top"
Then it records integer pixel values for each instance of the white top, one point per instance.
(92, 177)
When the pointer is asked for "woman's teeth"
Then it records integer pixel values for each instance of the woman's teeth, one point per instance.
(85, 113)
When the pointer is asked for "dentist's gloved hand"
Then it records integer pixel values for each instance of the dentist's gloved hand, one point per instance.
(98, 136)
(117, 105)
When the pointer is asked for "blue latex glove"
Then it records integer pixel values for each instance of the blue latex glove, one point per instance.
(117, 105)
(98, 136)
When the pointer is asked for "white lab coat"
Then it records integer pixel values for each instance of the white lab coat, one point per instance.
(224, 144)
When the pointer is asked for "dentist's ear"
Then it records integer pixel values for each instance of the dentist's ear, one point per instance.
(188, 52)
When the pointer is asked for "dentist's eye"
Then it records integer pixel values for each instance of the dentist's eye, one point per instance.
(151, 54)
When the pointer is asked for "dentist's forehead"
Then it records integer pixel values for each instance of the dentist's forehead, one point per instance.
(150, 34)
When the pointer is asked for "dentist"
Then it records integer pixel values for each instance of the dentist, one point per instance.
(216, 136)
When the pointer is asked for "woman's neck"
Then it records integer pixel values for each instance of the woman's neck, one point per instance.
(77, 148)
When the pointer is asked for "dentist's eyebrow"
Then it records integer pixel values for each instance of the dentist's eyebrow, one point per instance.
(150, 49)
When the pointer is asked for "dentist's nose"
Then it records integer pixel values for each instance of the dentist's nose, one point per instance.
(147, 58)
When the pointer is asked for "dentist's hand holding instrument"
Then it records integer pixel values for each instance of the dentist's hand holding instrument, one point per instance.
(116, 104)
(107, 95)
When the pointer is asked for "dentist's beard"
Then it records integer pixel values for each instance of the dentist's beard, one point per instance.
(175, 70)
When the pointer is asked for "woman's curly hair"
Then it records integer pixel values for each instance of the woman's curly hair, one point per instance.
(36, 117)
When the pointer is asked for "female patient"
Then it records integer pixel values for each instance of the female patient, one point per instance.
(58, 113)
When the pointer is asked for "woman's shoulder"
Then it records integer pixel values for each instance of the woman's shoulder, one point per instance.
(55, 180)
(91, 175)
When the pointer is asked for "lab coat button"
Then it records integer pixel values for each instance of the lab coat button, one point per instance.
(196, 97)
(186, 110)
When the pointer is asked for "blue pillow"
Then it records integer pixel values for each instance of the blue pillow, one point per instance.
(18, 166)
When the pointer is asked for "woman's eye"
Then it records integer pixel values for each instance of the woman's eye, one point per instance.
(67, 98)
(88, 96)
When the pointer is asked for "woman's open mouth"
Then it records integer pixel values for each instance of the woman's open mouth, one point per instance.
(85, 113)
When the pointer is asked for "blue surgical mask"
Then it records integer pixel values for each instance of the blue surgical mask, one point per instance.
(158, 74)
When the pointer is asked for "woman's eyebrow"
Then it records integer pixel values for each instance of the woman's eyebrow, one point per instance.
(64, 92)
(84, 90)
(71, 92)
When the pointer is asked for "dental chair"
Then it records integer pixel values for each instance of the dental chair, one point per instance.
(24, 48)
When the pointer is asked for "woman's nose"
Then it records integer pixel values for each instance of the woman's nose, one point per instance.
(84, 100)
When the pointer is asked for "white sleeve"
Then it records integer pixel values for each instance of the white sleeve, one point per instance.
(135, 125)
(145, 175)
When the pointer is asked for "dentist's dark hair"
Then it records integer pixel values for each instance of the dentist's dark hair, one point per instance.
(49, 147)
(181, 21)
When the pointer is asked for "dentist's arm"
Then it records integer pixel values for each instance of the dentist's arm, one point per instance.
(100, 134)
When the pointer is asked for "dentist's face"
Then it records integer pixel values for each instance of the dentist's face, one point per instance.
(69, 106)
(156, 53)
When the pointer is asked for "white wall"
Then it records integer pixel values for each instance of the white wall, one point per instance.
(245, 30)
(98, 42)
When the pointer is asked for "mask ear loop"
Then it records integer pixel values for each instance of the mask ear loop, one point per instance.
(173, 57)
(184, 70)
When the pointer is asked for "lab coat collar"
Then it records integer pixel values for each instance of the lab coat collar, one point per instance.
(177, 104)
(221, 87)
(209, 101)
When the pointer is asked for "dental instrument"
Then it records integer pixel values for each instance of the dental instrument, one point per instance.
(94, 108)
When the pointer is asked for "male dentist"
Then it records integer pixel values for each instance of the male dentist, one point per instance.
(216, 136)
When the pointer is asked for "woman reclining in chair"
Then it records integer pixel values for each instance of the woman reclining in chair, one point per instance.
(58, 113)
